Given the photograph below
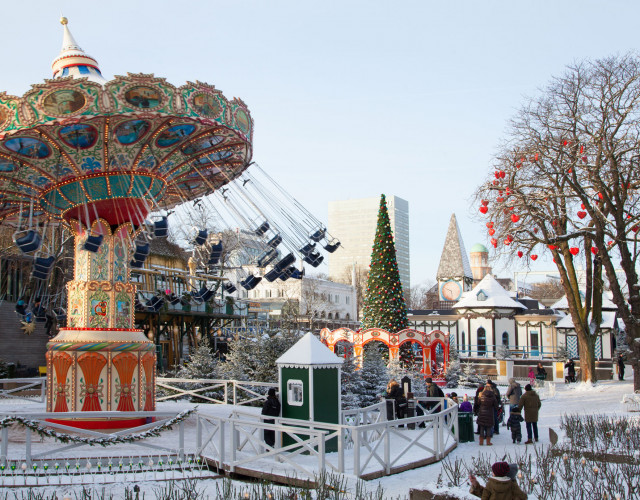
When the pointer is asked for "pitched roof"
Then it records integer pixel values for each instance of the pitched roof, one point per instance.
(607, 303)
(488, 294)
(309, 351)
(454, 262)
(609, 321)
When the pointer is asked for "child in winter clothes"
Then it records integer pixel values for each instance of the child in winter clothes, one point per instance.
(515, 417)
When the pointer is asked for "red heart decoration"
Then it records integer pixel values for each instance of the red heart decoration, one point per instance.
(489, 225)
(594, 250)
(635, 229)
(534, 257)
(535, 158)
(600, 196)
(506, 241)
(570, 170)
(518, 165)
(495, 183)
(582, 215)
(564, 143)
(499, 199)
(497, 174)
(483, 209)
(554, 260)
(535, 230)
(552, 247)
(484, 202)
(581, 149)
(515, 218)
(502, 174)
(492, 232)
(520, 254)
(574, 250)
(582, 206)
(610, 243)
(494, 242)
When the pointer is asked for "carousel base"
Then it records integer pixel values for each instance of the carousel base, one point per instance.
(100, 370)
(111, 424)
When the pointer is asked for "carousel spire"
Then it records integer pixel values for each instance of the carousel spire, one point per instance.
(73, 61)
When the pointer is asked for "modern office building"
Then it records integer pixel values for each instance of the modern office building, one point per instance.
(354, 222)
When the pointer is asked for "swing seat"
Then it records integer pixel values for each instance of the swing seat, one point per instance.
(40, 314)
(250, 282)
(42, 267)
(155, 303)
(173, 299)
(201, 237)
(275, 241)
(216, 253)
(284, 262)
(202, 295)
(308, 249)
(267, 257)
(297, 274)
(318, 235)
(272, 275)
(262, 229)
(161, 228)
(332, 247)
(314, 259)
(61, 315)
(229, 287)
(27, 241)
(140, 254)
(93, 242)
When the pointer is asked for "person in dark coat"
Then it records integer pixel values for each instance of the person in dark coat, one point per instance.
(541, 373)
(514, 423)
(271, 408)
(571, 370)
(514, 392)
(486, 412)
(476, 403)
(433, 391)
(394, 393)
(530, 401)
(496, 391)
(620, 367)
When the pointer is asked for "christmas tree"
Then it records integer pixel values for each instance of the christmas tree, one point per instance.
(384, 305)
(374, 375)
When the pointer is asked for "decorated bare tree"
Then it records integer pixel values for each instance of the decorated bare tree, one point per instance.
(566, 181)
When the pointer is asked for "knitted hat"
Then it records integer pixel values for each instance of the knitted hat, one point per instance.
(513, 470)
(428, 380)
(528, 387)
(271, 392)
(500, 469)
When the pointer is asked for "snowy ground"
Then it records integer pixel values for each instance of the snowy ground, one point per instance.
(603, 398)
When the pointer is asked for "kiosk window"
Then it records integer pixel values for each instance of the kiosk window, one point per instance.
(294, 392)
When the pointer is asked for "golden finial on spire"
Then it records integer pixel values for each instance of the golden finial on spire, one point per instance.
(64, 21)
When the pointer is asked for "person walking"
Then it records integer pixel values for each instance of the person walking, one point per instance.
(530, 401)
(620, 367)
(395, 396)
(514, 392)
(571, 370)
(271, 408)
(486, 412)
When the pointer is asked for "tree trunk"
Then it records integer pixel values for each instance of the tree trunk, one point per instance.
(586, 343)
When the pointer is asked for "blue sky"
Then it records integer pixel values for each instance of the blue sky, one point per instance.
(350, 98)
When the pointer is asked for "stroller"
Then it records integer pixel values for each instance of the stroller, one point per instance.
(503, 401)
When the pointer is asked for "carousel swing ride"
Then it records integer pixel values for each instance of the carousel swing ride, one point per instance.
(113, 165)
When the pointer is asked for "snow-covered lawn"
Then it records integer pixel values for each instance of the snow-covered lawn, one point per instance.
(603, 398)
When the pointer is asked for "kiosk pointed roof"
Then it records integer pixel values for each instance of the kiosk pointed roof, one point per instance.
(73, 61)
(309, 351)
(454, 262)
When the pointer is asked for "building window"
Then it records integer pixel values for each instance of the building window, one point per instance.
(534, 342)
(463, 342)
(481, 296)
(346, 300)
(337, 299)
(505, 339)
(482, 341)
(295, 392)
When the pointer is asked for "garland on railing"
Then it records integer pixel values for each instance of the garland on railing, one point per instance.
(106, 441)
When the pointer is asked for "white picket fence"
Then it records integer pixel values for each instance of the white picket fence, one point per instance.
(26, 389)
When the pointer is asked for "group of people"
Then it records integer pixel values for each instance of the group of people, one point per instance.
(487, 407)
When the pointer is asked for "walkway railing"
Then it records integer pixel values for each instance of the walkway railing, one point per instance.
(233, 392)
(27, 389)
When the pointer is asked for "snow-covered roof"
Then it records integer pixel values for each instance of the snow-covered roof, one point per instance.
(309, 351)
(454, 262)
(607, 303)
(609, 321)
(488, 294)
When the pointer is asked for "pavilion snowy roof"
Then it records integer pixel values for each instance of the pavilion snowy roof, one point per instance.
(609, 321)
(488, 294)
(607, 303)
(454, 262)
(309, 351)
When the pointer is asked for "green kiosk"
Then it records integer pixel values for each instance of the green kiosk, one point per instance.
(310, 384)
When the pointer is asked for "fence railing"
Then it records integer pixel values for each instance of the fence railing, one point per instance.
(27, 389)
(522, 352)
(234, 392)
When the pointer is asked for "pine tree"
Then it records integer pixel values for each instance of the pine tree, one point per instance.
(374, 375)
(384, 304)
(201, 365)
(351, 383)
